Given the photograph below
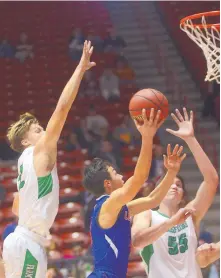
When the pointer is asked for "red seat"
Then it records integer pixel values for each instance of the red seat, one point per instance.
(70, 169)
(68, 192)
(71, 239)
(74, 156)
(8, 215)
(68, 209)
(74, 182)
(10, 184)
(72, 224)
(9, 198)
(135, 269)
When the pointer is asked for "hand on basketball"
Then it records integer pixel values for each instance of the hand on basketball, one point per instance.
(181, 216)
(85, 62)
(185, 124)
(173, 159)
(149, 127)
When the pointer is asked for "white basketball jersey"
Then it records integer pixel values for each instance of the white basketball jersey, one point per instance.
(38, 197)
(173, 254)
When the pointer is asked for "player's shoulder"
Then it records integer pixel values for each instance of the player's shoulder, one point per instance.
(101, 199)
(25, 154)
(100, 202)
(27, 151)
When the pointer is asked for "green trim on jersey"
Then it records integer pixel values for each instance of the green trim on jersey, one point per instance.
(30, 266)
(21, 183)
(164, 215)
(146, 255)
(45, 185)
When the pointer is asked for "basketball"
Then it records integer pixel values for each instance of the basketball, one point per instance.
(147, 99)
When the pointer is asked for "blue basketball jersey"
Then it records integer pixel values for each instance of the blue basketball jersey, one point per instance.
(111, 247)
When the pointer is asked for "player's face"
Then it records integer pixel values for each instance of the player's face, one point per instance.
(33, 135)
(116, 179)
(175, 193)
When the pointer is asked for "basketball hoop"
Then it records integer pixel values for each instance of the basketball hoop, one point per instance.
(207, 37)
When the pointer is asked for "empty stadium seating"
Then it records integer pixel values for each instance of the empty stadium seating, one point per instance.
(35, 86)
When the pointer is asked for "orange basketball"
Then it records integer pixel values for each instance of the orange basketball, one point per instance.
(147, 99)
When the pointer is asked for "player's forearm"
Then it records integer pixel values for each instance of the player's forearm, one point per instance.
(143, 165)
(205, 166)
(204, 259)
(70, 90)
(204, 262)
(148, 235)
(141, 172)
(161, 190)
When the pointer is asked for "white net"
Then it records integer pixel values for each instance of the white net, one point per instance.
(208, 39)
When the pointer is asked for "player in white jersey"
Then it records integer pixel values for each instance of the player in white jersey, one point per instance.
(169, 250)
(38, 187)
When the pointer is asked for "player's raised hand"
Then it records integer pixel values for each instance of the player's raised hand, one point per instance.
(181, 216)
(185, 124)
(173, 159)
(85, 62)
(148, 127)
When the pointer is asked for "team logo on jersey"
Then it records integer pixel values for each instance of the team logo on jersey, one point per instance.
(178, 228)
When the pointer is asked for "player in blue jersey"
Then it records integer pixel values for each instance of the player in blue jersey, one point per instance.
(110, 222)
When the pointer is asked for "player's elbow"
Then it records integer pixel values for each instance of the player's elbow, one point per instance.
(213, 180)
(61, 109)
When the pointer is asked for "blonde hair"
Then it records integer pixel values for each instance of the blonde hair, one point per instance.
(17, 131)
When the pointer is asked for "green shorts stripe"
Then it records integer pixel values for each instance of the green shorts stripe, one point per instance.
(30, 266)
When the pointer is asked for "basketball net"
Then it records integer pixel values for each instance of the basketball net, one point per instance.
(207, 37)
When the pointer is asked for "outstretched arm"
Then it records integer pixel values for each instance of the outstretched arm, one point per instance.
(208, 187)
(206, 254)
(122, 196)
(144, 234)
(55, 125)
(172, 162)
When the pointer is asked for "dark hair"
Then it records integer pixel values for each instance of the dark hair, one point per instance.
(94, 176)
(184, 201)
